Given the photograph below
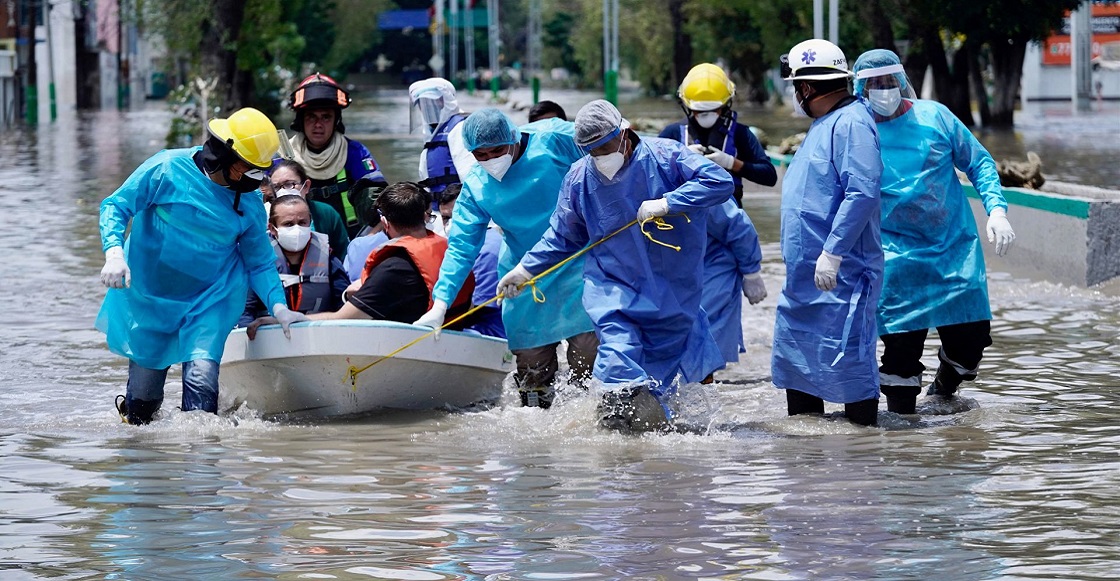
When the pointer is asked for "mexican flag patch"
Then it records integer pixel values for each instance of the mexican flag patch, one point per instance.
(368, 164)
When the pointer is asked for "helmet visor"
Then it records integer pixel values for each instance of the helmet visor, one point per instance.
(424, 114)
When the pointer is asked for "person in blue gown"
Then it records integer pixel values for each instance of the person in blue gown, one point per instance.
(644, 295)
(178, 281)
(824, 331)
(934, 275)
(732, 266)
(515, 185)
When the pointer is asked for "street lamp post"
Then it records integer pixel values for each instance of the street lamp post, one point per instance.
(610, 50)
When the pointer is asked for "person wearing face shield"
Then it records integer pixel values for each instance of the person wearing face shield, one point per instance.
(824, 331)
(313, 280)
(644, 296)
(178, 281)
(712, 129)
(341, 169)
(515, 185)
(934, 275)
(434, 112)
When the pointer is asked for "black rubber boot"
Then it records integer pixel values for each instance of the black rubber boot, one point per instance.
(946, 382)
(863, 413)
(136, 412)
(901, 399)
(537, 398)
(799, 402)
(632, 410)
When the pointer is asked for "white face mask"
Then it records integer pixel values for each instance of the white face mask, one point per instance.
(497, 166)
(798, 110)
(885, 101)
(609, 164)
(707, 119)
(293, 238)
(290, 192)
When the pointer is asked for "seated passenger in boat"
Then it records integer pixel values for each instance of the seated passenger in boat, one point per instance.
(488, 319)
(313, 280)
(396, 283)
(289, 177)
(371, 237)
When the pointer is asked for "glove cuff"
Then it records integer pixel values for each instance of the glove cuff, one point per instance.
(278, 308)
(114, 252)
(753, 275)
(997, 211)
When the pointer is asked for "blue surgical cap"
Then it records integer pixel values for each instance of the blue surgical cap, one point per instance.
(874, 59)
(488, 128)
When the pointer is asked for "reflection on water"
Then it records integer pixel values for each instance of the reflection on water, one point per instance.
(1023, 487)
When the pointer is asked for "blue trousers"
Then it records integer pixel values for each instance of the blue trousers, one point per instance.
(144, 393)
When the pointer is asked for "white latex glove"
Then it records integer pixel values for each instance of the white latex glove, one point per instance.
(653, 209)
(828, 265)
(754, 288)
(999, 230)
(724, 159)
(700, 149)
(286, 317)
(115, 274)
(510, 285)
(434, 318)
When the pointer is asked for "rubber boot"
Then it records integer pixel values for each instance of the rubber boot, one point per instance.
(632, 410)
(537, 398)
(136, 412)
(799, 402)
(946, 382)
(863, 413)
(901, 399)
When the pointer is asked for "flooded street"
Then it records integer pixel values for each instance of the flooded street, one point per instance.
(1024, 487)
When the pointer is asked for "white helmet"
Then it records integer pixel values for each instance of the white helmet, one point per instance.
(816, 60)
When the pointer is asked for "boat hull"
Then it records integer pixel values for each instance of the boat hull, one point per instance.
(308, 375)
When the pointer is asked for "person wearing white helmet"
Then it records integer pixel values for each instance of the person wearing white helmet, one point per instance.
(935, 275)
(434, 111)
(824, 332)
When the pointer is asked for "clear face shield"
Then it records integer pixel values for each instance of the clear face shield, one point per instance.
(424, 114)
(884, 88)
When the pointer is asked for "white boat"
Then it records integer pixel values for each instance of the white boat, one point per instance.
(308, 376)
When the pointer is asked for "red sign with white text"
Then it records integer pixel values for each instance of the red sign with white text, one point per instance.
(1105, 22)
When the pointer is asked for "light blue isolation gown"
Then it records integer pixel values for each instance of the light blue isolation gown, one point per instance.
(643, 297)
(824, 342)
(733, 251)
(192, 258)
(935, 272)
(520, 205)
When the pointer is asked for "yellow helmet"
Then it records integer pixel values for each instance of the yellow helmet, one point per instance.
(250, 135)
(706, 88)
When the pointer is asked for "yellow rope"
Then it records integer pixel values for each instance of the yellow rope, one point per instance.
(538, 296)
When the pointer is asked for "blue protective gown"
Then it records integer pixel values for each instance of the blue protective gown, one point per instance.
(733, 251)
(643, 297)
(935, 272)
(824, 342)
(193, 259)
(520, 205)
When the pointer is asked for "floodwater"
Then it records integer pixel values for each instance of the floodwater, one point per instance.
(1024, 487)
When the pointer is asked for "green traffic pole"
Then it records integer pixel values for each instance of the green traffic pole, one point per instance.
(470, 85)
(535, 83)
(31, 98)
(54, 105)
(611, 87)
(495, 83)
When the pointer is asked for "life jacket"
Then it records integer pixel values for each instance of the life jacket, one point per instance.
(441, 167)
(723, 130)
(310, 290)
(333, 192)
(426, 254)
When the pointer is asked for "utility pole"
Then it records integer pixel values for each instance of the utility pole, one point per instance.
(31, 73)
(1080, 38)
(453, 40)
(437, 29)
(534, 37)
(50, 59)
(468, 37)
(495, 40)
(610, 50)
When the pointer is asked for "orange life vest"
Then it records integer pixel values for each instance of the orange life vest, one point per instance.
(426, 254)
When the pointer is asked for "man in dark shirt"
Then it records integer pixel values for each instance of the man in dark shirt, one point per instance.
(711, 128)
(393, 288)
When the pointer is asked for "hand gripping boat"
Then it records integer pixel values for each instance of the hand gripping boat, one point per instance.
(309, 376)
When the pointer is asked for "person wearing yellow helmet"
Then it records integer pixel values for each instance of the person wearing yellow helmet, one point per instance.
(712, 129)
(178, 280)
(341, 169)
